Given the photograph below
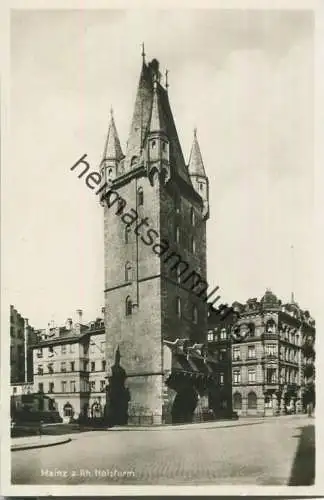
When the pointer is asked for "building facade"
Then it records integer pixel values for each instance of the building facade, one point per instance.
(70, 366)
(155, 212)
(22, 336)
(269, 365)
(220, 322)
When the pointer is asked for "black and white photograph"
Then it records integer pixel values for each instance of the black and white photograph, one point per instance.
(158, 249)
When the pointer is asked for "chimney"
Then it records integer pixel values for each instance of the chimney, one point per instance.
(69, 324)
(79, 313)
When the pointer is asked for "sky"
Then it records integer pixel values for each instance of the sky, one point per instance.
(244, 78)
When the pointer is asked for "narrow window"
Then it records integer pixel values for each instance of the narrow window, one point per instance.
(195, 314)
(129, 306)
(177, 234)
(236, 377)
(128, 271)
(177, 204)
(192, 245)
(192, 217)
(140, 197)
(178, 306)
(127, 234)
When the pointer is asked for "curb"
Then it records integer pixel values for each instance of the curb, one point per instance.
(34, 446)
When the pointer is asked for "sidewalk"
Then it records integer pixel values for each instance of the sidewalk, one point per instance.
(193, 426)
(30, 442)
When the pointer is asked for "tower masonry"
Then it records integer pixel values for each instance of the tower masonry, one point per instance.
(155, 213)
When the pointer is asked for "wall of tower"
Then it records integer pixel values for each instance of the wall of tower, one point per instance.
(139, 334)
(174, 326)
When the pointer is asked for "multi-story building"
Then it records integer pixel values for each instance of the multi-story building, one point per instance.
(154, 234)
(269, 365)
(219, 339)
(70, 366)
(21, 364)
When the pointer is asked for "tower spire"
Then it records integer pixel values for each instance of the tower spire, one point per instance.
(166, 79)
(198, 175)
(113, 150)
(143, 53)
(196, 165)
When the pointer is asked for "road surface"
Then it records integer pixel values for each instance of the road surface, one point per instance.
(268, 451)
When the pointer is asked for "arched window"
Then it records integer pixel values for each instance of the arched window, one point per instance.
(68, 410)
(252, 401)
(127, 234)
(128, 271)
(177, 234)
(110, 171)
(129, 306)
(192, 244)
(140, 197)
(192, 217)
(270, 326)
(237, 401)
(120, 206)
(251, 327)
(153, 144)
(195, 314)
(178, 307)
(177, 204)
(96, 410)
(267, 401)
(133, 160)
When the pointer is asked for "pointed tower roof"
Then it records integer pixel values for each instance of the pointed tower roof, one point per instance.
(196, 165)
(141, 115)
(152, 110)
(113, 150)
(157, 123)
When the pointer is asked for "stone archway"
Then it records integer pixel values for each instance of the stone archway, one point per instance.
(184, 403)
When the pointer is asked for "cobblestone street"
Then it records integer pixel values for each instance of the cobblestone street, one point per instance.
(273, 451)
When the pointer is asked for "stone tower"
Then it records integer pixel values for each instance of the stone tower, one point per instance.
(155, 213)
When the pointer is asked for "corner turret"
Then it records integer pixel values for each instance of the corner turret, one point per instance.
(112, 155)
(198, 176)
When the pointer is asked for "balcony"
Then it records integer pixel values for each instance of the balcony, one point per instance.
(270, 357)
